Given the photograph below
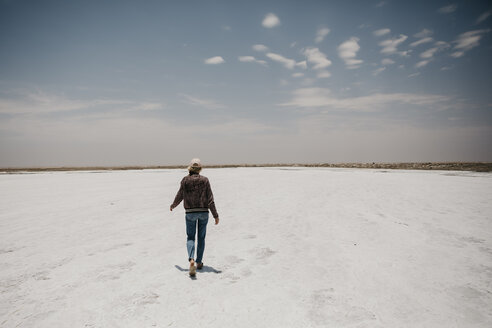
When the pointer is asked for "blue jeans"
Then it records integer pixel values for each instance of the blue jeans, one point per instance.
(193, 220)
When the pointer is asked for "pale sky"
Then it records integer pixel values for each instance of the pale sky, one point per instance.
(160, 82)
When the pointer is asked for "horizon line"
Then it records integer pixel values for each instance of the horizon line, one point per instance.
(478, 166)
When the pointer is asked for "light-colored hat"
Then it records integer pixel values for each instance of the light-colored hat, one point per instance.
(195, 164)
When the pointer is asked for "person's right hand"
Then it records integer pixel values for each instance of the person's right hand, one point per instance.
(216, 221)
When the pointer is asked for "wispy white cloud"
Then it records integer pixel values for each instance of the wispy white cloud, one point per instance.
(378, 71)
(289, 63)
(405, 53)
(387, 61)
(348, 51)
(390, 46)
(214, 60)
(423, 34)
(246, 59)
(380, 4)
(457, 54)
(39, 102)
(467, 41)
(270, 20)
(442, 44)
(298, 75)
(321, 34)
(421, 41)
(148, 106)
(482, 17)
(422, 63)
(260, 47)
(302, 64)
(317, 58)
(429, 53)
(414, 74)
(322, 97)
(323, 74)
(201, 102)
(251, 59)
(381, 32)
(448, 9)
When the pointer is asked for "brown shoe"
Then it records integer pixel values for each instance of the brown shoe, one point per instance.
(192, 268)
(199, 265)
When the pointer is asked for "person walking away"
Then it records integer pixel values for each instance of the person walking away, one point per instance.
(198, 199)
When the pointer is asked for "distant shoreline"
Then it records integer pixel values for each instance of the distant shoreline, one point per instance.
(446, 166)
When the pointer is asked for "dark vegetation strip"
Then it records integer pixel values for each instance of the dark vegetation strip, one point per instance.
(449, 166)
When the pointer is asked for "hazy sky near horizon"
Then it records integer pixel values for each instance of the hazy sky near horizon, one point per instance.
(160, 82)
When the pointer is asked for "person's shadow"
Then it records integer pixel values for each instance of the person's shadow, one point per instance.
(205, 269)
